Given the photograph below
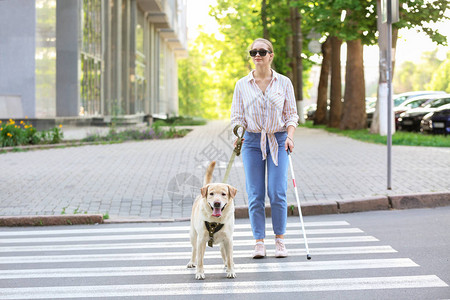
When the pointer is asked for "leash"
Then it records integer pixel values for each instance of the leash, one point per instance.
(214, 227)
(236, 151)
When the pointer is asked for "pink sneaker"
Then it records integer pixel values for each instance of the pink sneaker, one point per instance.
(260, 250)
(280, 249)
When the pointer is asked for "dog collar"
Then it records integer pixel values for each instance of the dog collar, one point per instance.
(212, 228)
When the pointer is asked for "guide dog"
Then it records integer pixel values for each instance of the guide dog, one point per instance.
(212, 222)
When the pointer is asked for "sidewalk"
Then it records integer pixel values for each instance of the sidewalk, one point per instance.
(159, 179)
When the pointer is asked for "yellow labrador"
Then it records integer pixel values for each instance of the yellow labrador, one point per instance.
(212, 222)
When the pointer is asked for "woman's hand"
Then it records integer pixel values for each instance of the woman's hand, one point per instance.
(289, 144)
(235, 142)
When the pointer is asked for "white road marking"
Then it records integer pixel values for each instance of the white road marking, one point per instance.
(182, 270)
(225, 287)
(160, 236)
(210, 254)
(166, 245)
(162, 228)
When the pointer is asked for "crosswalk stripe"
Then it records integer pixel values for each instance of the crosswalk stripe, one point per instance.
(99, 253)
(157, 245)
(152, 229)
(226, 287)
(186, 255)
(209, 269)
(163, 235)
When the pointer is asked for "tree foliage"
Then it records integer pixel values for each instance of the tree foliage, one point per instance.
(441, 77)
(420, 14)
(216, 62)
(220, 60)
(416, 76)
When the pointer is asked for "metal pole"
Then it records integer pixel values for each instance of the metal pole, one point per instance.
(389, 91)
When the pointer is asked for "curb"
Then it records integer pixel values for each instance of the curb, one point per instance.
(426, 200)
(409, 201)
(420, 200)
(51, 220)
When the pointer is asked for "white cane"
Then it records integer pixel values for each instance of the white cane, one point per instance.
(298, 203)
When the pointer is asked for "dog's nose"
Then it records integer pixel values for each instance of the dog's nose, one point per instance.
(216, 204)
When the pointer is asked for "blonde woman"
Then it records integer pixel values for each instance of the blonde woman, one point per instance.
(264, 104)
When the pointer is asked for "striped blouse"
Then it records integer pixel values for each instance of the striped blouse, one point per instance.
(268, 112)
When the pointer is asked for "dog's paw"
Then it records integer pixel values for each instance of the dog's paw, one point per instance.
(231, 274)
(190, 265)
(199, 276)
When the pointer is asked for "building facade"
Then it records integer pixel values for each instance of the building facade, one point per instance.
(90, 58)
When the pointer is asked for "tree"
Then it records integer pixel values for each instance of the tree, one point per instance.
(242, 21)
(354, 96)
(336, 83)
(415, 76)
(322, 97)
(441, 78)
(194, 72)
(358, 27)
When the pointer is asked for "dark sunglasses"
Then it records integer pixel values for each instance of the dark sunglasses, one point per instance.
(261, 52)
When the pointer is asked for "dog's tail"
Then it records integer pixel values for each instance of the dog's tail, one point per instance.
(209, 172)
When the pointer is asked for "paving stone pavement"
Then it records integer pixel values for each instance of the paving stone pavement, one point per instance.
(159, 179)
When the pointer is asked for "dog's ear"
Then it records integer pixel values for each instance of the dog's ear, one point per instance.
(232, 191)
(204, 190)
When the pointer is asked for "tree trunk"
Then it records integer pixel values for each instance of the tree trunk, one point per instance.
(394, 47)
(297, 63)
(264, 19)
(336, 84)
(322, 93)
(293, 50)
(354, 114)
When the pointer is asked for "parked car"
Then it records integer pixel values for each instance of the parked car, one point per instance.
(439, 120)
(410, 120)
(309, 111)
(402, 102)
(414, 102)
(371, 103)
(400, 98)
(425, 124)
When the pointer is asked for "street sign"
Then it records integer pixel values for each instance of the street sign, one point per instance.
(394, 13)
(315, 46)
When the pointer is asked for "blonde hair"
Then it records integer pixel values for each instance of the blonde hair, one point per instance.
(267, 42)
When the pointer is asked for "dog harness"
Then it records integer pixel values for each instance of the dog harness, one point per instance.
(212, 228)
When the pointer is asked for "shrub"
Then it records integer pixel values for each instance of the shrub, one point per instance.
(13, 134)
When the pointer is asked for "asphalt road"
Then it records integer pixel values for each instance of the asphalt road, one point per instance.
(371, 255)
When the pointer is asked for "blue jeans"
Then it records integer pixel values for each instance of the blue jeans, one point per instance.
(255, 178)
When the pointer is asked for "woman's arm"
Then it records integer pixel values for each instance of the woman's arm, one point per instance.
(237, 109)
(290, 116)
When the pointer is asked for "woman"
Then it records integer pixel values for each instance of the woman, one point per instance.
(264, 104)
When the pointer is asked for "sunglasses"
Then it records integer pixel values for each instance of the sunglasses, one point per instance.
(261, 52)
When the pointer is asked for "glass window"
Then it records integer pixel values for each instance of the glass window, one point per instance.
(438, 102)
(91, 58)
(141, 63)
(45, 58)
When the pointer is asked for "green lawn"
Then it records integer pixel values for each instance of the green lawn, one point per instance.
(398, 138)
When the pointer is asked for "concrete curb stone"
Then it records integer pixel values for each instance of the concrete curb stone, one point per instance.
(420, 200)
(365, 204)
(50, 220)
(427, 200)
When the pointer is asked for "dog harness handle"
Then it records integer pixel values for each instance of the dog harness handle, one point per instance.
(212, 228)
